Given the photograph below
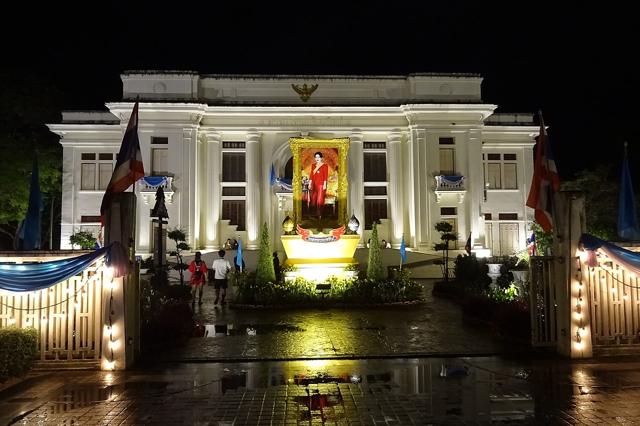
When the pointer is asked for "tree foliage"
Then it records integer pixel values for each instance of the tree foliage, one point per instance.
(600, 188)
(26, 103)
(84, 239)
(179, 237)
(375, 270)
(446, 235)
(265, 272)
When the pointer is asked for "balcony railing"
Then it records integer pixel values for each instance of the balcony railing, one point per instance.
(446, 184)
(450, 183)
(149, 185)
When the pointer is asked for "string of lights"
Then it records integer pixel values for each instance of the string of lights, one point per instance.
(73, 295)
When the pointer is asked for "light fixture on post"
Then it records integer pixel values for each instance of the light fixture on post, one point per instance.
(354, 224)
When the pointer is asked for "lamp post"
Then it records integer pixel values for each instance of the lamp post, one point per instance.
(159, 212)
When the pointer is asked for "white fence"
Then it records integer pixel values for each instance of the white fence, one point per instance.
(615, 305)
(67, 316)
(542, 302)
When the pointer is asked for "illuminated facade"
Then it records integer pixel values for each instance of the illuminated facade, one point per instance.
(422, 148)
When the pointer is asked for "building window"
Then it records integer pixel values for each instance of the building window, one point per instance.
(375, 182)
(233, 167)
(507, 216)
(448, 211)
(447, 161)
(487, 216)
(500, 171)
(374, 210)
(375, 167)
(96, 170)
(160, 161)
(234, 212)
(89, 219)
(234, 184)
(447, 156)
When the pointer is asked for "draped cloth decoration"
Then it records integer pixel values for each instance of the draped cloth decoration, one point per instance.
(36, 276)
(155, 181)
(628, 259)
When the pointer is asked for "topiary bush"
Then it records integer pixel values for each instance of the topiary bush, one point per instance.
(375, 270)
(18, 349)
(471, 274)
(265, 272)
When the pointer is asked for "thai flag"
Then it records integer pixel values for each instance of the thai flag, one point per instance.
(531, 245)
(129, 167)
(545, 181)
(467, 246)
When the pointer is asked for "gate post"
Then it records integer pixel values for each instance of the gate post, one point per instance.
(121, 331)
(573, 310)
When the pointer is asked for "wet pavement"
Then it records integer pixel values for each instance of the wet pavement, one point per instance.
(433, 328)
(418, 391)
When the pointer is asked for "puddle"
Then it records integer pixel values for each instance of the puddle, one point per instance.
(79, 396)
(316, 405)
(231, 329)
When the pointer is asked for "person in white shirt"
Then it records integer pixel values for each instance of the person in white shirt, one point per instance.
(221, 268)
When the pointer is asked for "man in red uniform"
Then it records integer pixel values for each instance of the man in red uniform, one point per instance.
(318, 182)
(198, 271)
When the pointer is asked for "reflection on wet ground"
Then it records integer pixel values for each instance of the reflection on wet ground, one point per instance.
(390, 392)
(434, 328)
(470, 390)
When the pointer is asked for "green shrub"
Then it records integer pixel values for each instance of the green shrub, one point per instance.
(375, 270)
(18, 348)
(166, 313)
(265, 272)
(84, 239)
(471, 274)
(301, 291)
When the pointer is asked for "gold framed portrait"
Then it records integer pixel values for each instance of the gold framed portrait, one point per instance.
(320, 181)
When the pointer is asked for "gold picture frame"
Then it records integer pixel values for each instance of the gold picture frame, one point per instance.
(300, 146)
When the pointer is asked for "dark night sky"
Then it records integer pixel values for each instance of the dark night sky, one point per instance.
(575, 63)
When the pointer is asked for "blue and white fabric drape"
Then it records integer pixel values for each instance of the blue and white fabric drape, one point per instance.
(36, 276)
(155, 181)
(628, 259)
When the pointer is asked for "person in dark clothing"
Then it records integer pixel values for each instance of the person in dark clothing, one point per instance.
(276, 265)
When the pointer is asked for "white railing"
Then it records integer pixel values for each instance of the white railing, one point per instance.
(67, 316)
(543, 305)
(615, 305)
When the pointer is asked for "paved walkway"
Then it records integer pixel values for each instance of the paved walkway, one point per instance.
(482, 390)
(435, 328)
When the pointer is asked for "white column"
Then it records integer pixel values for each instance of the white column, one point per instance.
(395, 192)
(417, 170)
(189, 216)
(474, 183)
(254, 183)
(212, 191)
(356, 179)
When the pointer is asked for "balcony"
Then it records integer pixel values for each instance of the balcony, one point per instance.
(446, 184)
(148, 186)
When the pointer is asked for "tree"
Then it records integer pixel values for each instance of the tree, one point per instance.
(26, 103)
(179, 237)
(544, 240)
(265, 272)
(446, 235)
(600, 188)
(375, 270)
(84, 239)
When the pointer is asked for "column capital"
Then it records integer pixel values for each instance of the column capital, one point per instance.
(394, 136)
(253, 135)
(213, 136)
(356, 135)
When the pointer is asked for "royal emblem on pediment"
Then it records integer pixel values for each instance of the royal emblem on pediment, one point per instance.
(304, 91)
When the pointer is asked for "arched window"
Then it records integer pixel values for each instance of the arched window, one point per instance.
(288, 169)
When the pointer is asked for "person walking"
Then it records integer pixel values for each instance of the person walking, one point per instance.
(198, 269)
(221, 268)
(276, 266)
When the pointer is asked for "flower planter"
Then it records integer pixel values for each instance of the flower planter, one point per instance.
(494, 272)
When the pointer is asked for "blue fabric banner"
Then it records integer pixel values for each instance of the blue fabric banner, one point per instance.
(628, 259)
(155, 181)
(36, 276)
(628, 228)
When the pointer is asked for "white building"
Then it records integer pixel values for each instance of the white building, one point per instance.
(215, 137)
